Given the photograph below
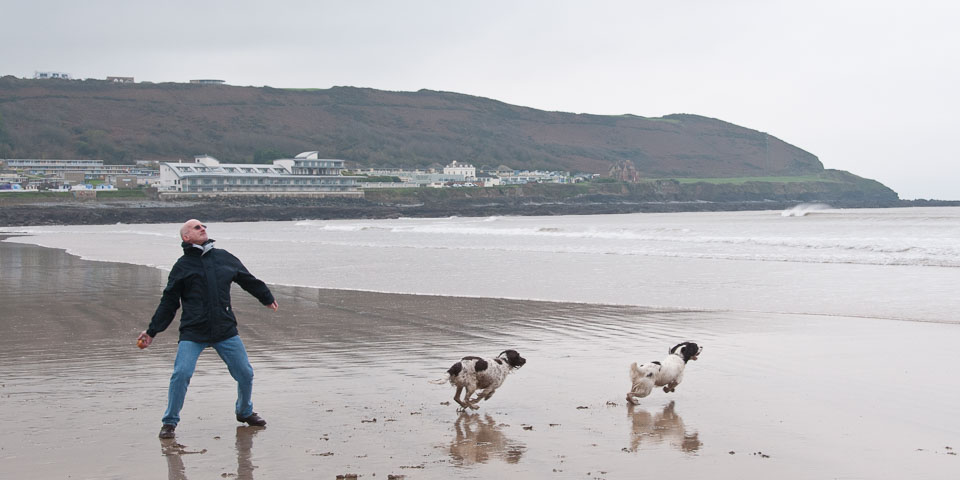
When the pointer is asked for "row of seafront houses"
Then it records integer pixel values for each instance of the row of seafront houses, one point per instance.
(17, 174)
(305, 174)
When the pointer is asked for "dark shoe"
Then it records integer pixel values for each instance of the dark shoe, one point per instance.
(253, 420)
(167, 431)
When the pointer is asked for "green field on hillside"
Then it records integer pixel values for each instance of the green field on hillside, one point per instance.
(739, 180)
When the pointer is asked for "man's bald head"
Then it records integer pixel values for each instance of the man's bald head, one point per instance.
(192, 231)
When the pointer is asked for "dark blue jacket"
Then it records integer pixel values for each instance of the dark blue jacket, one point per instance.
(200, 281)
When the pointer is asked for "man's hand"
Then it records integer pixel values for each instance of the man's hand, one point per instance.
(144, 340)
(273, 306)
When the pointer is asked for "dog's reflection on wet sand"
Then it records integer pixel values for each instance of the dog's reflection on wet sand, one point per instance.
(663, 427)
(174, 453)
(479, 438)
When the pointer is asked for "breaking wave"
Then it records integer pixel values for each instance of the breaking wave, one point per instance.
(805, 209)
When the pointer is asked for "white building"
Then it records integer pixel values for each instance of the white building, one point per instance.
(306, 173)
(465, 169)
(91, 169)
(12, 178)
(47, 166)
(489, 180)
(60, 75)
(526, 176)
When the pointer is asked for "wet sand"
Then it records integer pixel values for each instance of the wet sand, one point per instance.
(343, 378)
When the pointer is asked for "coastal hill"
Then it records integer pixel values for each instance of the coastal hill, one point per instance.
(120, 123)
(675, 162)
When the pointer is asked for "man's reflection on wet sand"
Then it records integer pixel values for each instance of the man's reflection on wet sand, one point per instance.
(174, 453)
(244, 446)
(479, 439)
(663, 427)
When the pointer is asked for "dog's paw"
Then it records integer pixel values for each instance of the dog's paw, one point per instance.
(633, 399)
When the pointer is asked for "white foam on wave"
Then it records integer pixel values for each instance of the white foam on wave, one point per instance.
(805, 209)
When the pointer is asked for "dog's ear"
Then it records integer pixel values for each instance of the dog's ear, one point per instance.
(455, 369)
(689, 350)
(513, 358)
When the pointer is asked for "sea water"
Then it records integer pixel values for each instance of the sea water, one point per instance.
(898, 263)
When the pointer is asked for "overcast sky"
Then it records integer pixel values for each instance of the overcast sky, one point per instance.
(868, 86)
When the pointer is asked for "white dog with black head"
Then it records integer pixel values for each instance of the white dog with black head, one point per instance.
(666, 373)
(484, 376)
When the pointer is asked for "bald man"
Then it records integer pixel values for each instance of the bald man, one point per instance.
(200, 282)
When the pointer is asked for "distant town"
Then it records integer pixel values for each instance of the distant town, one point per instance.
(304, 174)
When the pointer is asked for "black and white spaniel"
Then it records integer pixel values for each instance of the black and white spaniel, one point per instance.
(484, 376)
(666, 373)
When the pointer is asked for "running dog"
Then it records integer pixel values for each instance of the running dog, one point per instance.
(484, 375)
(667, 373)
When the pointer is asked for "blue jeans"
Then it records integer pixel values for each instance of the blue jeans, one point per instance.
(232, 353)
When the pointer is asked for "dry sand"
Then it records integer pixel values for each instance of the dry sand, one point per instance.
(343, 378)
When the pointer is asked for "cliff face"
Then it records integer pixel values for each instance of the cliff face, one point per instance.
(123, 122)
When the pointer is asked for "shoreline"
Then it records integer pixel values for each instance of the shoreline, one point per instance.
(594, 303)
(649, 308)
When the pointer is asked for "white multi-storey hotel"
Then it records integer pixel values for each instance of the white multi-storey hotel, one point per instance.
(305, 173)
(465, 169)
